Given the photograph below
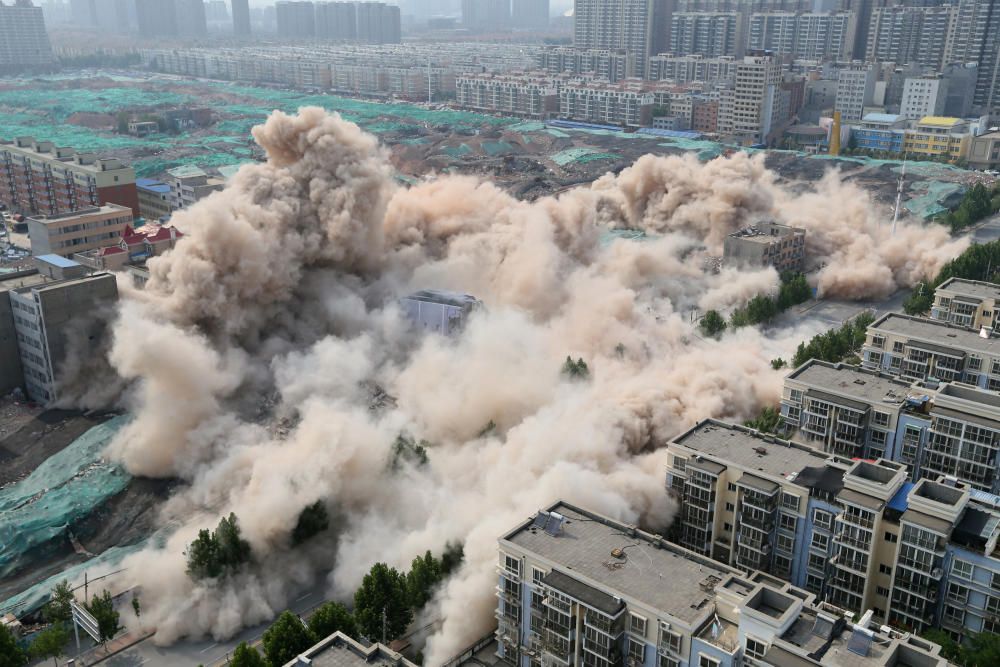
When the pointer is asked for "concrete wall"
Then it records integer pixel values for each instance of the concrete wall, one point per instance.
(11, 374)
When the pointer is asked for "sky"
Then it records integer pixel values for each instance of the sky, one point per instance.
(556, 6)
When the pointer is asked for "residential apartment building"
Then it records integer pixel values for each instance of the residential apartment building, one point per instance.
(821, 36)
(854, 533)
(379, 23)
(24, 42)
(855, 88)
(46, 315)
(611, 64)
(766, 244)
(86, 229)
(576, 588)
(984, 151)
(154, 199)
(36, 177)
(938, 136)
(923, 96)
(241, 17)
(709, 34)
(606, 104)
(296, 19)
(977, 39)
(133, 248)
(880, 132)
(910, 34)
(756, 107)
(337, 21)
(682, 69)
(845, 410)
(705, 115)
(528, 95)
(171, 18)
(967, 303)
(339, 650)
(189, 184)
(628, 24)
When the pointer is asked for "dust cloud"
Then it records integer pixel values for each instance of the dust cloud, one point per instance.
(252, 354)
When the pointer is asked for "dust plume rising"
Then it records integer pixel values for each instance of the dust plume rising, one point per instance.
(253, 355)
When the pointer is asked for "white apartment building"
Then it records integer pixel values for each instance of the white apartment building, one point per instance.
(710, 34)
(918, 35)
(682, 69)
(819, 36)
(611, 64)
(606, 104)
(855, 88)
(189, 184)
(923, 96)
(23, 39)
(575, 589)
(625, 24)
(527, 95)
(755, 105)
(967, 303)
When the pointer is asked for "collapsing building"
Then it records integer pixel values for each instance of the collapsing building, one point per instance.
(41, 311)
(767, 244)
(439, 310)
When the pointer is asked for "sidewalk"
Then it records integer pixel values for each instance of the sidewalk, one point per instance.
(113, 647)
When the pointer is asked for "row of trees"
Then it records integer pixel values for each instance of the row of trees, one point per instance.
(384, 606)
(49, 643)
(979, 262)
(977, 203)
(218, 553)
(978, 650)
(836, 344)
(761, 308)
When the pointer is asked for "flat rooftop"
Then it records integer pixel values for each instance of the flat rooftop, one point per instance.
(970, 393)
(11, 282)
(662, 575)
(937, 333)
(742, 447)
(852, 381)
(339, 650)
(973, 288)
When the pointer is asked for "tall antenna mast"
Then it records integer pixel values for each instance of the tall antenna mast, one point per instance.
(899, 197)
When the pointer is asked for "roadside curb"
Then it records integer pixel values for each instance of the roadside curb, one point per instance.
(84, 662)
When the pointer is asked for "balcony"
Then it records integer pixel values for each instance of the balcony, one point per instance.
(856, 520)
(854, 565)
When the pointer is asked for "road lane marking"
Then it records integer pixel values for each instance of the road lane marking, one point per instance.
(303, 597)
(206, 650)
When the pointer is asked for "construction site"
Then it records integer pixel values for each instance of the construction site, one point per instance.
(530, 159)
(65, 506)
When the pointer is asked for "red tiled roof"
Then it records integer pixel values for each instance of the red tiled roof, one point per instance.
(111, 250)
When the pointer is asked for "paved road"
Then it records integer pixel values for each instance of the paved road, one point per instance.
(204, 652)
(986, 231)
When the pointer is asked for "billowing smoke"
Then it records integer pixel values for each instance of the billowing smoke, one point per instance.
(254, 353)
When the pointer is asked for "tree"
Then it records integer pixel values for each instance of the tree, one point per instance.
(246, 656)
(423, 577)
(49, 643)
(218, 553)
(950, 649)
(11, 654)
(778, 364)
(920, 299)
(983, 651)
(382, 592)
(135, 606)
(102, 608)
(313, 519)
(406, 450)
(332, 617)
(712, 324)
(122, 122)
(575, 370)
(57, 610)
(767, 421)
(451, 558)
(794, 290)
(835, 344)
(285, 639)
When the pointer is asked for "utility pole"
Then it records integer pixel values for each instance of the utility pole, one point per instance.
(383, 625)
(899, 198)
(86, 598)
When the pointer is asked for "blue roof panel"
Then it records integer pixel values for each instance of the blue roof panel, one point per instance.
(57, 260)
(899, 501)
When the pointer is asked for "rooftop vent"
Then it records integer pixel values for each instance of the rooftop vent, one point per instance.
(761, 451)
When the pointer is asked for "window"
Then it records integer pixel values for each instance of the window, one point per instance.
(730, 507)
(755, 648)
(727, 527)
(707, 661)
(667, 661)
(536, 575)
(820, 541)
(957, 593)
(636, 651)
(790, 502)
(786, 544)
(884, 569)
(787, 522)
(891, 538)
(961, 569)
(822, 519)
(637, 625)
(884, 592)
(671, 640)
(680, 464)
(880, 418)
(512, 565)
(731, 487)
(817, 562)
(795, 396)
